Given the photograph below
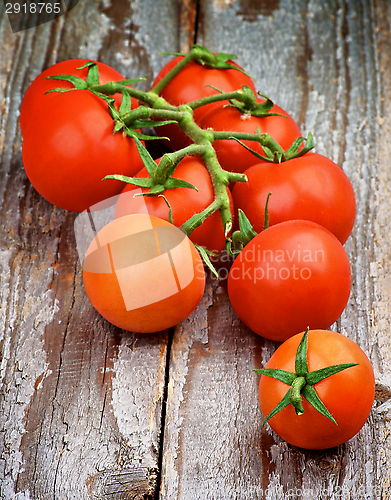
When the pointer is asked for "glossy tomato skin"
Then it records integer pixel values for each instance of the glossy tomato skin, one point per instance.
(194, 82)
(348, 395)
(36, 95)
(290, 276)
(184, 202)
(142, 274)
(70, 146)
(232, 155)
(311, 187)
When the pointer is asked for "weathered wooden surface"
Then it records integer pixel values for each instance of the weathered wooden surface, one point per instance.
(89, 411)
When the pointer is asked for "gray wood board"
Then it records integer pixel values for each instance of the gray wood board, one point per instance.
(89, 411)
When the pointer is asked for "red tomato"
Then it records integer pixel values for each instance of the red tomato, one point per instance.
(143, 274)
(348, 394)
(310, 187)
(192, 83)
(70, 146)
(36, 96)
(184, 202)
(290, 276)
(232, 155)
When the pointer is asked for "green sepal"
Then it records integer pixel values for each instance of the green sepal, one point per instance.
(219, 61)
(151, 123)
(270, 157)
(312, 397)
(135, 134)
(110, 100)
(155, 190)
(173, 182)
(126, 104)
(131, 81)
(294, 152)
(240, 238)
(172, 54)
(266, 219)
(319, 375)
(285, 401)
(281, 375)
(146, 158)
(77, 82)
(246, 229)
(170, 217)
(92, 75)
(274, 152)
(301, 364)
(205, 253)
(145, 182)
(60, 90)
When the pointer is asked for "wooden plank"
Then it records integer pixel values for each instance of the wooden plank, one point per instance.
(81, 401)
(328, 64)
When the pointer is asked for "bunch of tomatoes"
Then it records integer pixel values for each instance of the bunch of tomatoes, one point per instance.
(236, 179)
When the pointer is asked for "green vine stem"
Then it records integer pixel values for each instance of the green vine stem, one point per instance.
(154, 111)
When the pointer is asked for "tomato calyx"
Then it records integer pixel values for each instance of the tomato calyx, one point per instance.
(160, 175)
(91, 80)
(202, 56)
(302, 382)
(274, 153)
(245, 233)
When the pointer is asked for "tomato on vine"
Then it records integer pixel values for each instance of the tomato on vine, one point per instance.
(70, 146)
(37, 93)
(199, 78)
(263, 117)
(143, 274)
(317, 389)
(181, 201)
(310, 187)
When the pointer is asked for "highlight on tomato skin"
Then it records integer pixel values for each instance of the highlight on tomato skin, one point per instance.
(348, 395)
(143, 274)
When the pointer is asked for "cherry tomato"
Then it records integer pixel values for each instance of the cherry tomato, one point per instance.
(348, 395)
(70, 146)
(232, 155)
(36, 93)
(184, 202)
(311, 187)
(290, 276)
(194, 82)
(143, 274)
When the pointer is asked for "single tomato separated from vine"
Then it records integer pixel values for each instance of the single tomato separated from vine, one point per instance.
(310, 187)
(348, 394)
(290, 276)
(36, 94)
(143, 274)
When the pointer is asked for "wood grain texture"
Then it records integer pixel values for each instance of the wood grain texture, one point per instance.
(89, 411)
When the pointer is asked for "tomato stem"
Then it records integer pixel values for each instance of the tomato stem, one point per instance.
(295, 394)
